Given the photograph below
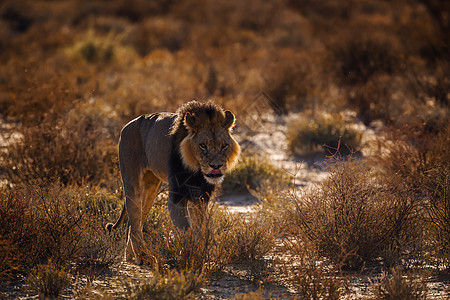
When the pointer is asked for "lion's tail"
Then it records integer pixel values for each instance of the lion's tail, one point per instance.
(111, 226)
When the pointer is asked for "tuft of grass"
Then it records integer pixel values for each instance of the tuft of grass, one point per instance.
(324, 133)
(400, 285)
(169, 286)
(98, 49)
(256, 295)
(254, 172)
(49, 280)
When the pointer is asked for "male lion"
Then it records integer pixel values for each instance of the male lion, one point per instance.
(190, 149)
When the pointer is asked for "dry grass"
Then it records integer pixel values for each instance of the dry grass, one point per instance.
(340, 214)
(311, 277)
(400, 285)
(63, 225)
(48, 280)
(254, 172)
(72, 148)
(323, 133)
(214, 242)
(172, 285)
(421, 159)
(73, 72)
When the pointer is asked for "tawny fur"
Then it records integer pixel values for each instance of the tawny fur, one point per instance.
(167, 147)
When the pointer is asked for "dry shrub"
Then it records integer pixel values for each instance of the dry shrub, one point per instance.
(422, 161)
(310, 276)
(48, 280)
(156, 33)
(437, 189)
(204, 248)
(425, 99)
(70, 149)
(292, 80)
(253, 15)
(323, 133)
(9, 258)
(356, 213)
(64, 225)
(257, 295)
(34, 88)
(359, 59)
(169, 286)
(215, 241)
(374, 101)
(253, 236)
(400, 285)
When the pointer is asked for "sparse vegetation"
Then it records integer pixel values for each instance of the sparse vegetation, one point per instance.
(171, 286)
(323, 133)
(254, 172)
(48, 280)
(73, 72)
(398, 285)
(339, 216)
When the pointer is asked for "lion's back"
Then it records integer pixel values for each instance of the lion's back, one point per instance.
(145, 143)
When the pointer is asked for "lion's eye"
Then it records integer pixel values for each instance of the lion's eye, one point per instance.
(203, 146)
(224, 146)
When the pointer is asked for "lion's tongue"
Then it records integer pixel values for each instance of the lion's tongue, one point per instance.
(215, 172)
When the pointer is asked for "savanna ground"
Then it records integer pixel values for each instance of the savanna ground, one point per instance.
(342, 190)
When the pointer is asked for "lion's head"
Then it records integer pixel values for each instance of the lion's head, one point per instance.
(203, 133)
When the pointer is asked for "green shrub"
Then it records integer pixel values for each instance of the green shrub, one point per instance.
(254, 172)
(325, 133)
(98, 49)
(48, 280)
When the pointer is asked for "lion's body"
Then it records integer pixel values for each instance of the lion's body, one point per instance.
(190, 149)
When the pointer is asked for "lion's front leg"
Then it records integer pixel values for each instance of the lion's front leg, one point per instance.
(179, 214)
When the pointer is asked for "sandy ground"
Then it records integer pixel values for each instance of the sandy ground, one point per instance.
(266, 136)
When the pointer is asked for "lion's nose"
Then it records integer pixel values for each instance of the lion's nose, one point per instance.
(215, 166)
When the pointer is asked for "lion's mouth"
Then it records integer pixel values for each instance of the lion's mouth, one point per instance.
(214, 173)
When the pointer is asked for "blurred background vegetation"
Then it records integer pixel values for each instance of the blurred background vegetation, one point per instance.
(74, 71)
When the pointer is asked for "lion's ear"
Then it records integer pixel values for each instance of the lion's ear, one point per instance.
(190, 121)
(229, 119)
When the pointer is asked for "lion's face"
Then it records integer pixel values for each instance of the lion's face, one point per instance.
(209, 147)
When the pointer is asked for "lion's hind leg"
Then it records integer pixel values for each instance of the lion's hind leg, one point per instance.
(134, 203)
(151, 186)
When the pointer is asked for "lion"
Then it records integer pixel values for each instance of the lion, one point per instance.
(190, 149)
